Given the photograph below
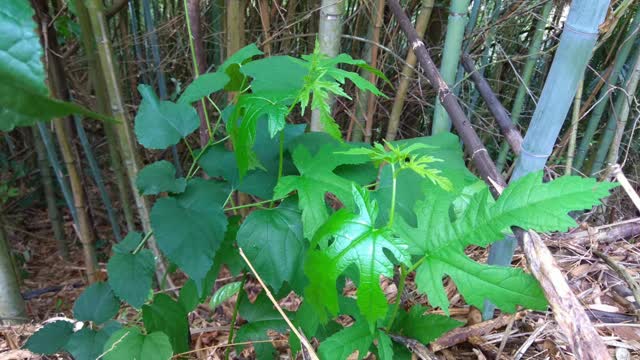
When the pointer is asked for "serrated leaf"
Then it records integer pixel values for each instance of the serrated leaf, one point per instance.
(315, 180)
(130, 343)
(131, 276)
(272, 239)
(87, 344)
(24, 98)
(169, 317)
(51, 338)
(160, 124)
(424, 328)
(356, 242)
(340, 345)
(224, 293)
(158, 177)
(190, 227)
(97, 303)
(202, 86)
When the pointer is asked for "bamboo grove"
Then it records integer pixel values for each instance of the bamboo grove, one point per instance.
(193, 153)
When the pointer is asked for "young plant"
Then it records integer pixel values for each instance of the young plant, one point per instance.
(324, 216)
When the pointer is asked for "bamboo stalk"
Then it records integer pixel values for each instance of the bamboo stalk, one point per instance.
(575, 118)
(329, 35)
(407, 71)
(235, 25)
(12, 308)
(450, 59)
(50, 195)
(371, 100)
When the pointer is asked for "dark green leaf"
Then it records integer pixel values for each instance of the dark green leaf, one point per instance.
(189, 298)
(238, 81)
(87, 344)
(356, 337)
(51, 338)
(160, 124)
(159, 177)
(129, 243)
(276, 74)
(130, 343)
(202, 86)
(97, 303)
(131, 276)
(169, 317)
(261, 317)
(272, 240)
(190, 227)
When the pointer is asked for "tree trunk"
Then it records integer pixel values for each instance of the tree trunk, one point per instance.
(192, 10)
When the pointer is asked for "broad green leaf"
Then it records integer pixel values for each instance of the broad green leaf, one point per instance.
(424, 328)
(238, 81)
(272, 239)
(160, 124)
(356, 242)
(159, 177)
(385, 346)
(189, 297)
(87, 344)
(169, 317)
(356, 337)
(190, 227)
(202, 86)
(51, 338)
(131, 276)
(129, 243)
(316, 179)
(130, 343)
(276, 74)
(97, 303)
(24, 98)
(228, 253)
(262, 317)
(224, 293)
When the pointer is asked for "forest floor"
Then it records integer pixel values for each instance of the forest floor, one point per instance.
(52, 284)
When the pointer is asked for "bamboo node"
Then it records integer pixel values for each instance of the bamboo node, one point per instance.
(416, 44)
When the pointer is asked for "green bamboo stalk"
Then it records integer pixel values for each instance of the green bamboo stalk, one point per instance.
(610, 142)
(527, 73)
(407, 71)
(575, 118)
(217, 45)
(50, 195)
(136, 44)
(97, 178)
(12, 308)
(574, 51)
(329, 35)
(471, 25)
(450, 59)
(605, 92)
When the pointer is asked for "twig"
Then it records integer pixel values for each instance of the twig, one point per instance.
(622, 272)
(415, 347)
(460, 335)
(303, 339)
(617, 172)
(529, 341)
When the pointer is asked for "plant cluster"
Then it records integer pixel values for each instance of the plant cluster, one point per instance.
(327, 214)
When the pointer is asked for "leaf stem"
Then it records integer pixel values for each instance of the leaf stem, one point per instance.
(396, 306)
(144, 240)
(234, 316)
(392, 211)
(234, 208)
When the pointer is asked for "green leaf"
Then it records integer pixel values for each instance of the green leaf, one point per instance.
(424, 328)
(224, 293)
(385, 346)
(238, 81)
(272, 239)
(97, 303)
(87, 344)
(189, 297)
(160, 124)
(202, 86)
(228, 253)
(169, 317)
(356, 337)
(315, 180)
(276, 74)
(24, 98)
(159, 177)
(261, 317)
(130, 343)
(128, 244)
(51, 338)
(131, 276)
(190, 227)
(356, 242)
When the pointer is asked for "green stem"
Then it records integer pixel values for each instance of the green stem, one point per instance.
(146, 237)
(234, 316)
(396, 306)
(252, 204)
(393, 195)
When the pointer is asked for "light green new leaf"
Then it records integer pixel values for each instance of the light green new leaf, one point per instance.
(24, 98)
(356, 242)
(317, 178)
(131, 343)
(190, 227)
(224, 293)
(97, 303)
(424, 328)
(51, 338)
(131, 276)
(272, 239)
(159, 177)
(203, 85)
(385, 346)
(160, 124)
(169, 317)
(340, 345)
